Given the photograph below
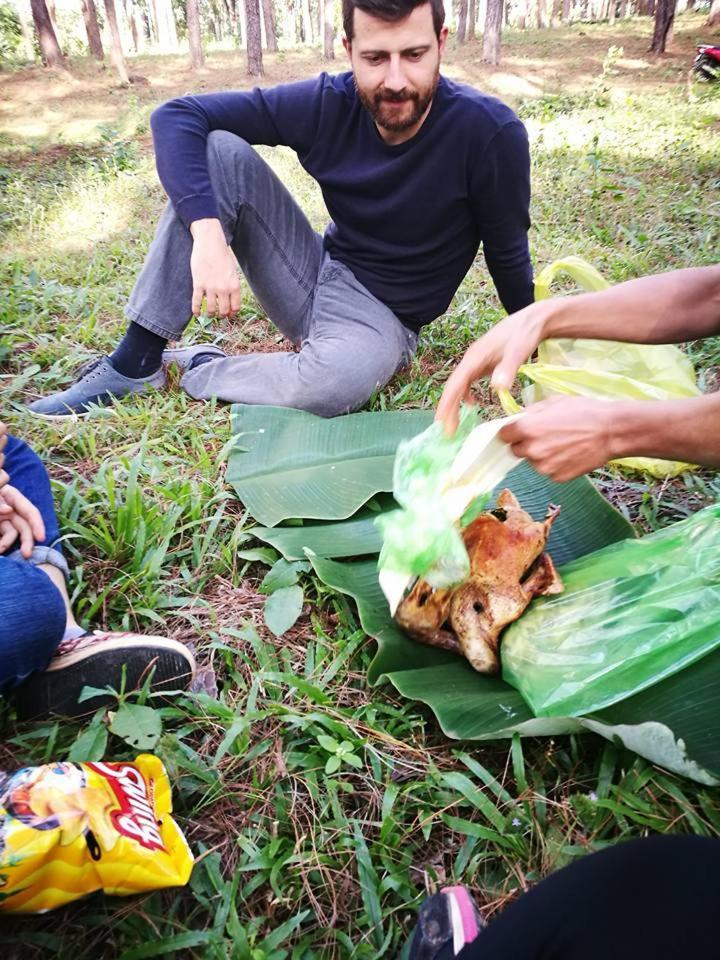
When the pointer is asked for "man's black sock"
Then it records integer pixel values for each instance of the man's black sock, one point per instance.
(139, 353)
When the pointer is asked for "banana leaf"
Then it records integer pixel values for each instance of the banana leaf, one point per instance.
(289, 463)
(672, 724)
(308, 468)
(586, 522)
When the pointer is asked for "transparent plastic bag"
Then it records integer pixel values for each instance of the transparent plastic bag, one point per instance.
(631, 615)
(439, 482)
(605, 369)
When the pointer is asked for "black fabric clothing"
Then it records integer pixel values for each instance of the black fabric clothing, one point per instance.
(407, 219)
(652, 899)
(139, 353)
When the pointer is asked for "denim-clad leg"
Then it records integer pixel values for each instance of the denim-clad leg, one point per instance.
(32, 611)
(351, 343)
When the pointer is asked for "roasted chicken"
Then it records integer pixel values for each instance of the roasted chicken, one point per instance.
(508, 567)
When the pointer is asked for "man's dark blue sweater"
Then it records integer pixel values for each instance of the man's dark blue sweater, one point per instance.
(406, 219)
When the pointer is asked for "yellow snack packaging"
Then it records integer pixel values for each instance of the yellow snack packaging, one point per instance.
(69, 829)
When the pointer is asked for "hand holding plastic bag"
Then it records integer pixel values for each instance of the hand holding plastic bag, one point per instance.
(604, 369)
(436, 478)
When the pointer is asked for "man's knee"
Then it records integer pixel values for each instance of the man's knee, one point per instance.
(224, 147)
(332, 394)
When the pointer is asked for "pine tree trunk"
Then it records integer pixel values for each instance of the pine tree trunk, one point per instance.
(92, 28)
(623, 9)
(47, 38)
(242, 24)
(541, 14)
(131, 19)
(472, 19)
(329, 30)
(664, 16)
(254, 46)
(307, 24)
(713, 19)
(567, 11)
(491, 36)
(167, 30)
(462, 21)
(192, 13)
(116, 53)
(27, 33)
(268, 12)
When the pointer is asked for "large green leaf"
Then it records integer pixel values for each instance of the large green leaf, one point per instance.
(672, 724)
(303, 467)
(586, 522)
(289, 463)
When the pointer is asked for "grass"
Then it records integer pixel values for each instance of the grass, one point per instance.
(299, 857)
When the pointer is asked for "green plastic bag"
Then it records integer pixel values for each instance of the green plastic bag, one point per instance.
(440, 483)
(420, 538)
(605, 369)
(631, 615)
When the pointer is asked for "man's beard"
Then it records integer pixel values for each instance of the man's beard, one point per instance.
(392, 120)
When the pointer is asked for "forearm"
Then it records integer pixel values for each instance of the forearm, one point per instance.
(686, 429)
(512, 274)
(667, 308)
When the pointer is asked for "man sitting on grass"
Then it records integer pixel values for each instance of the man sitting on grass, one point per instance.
(45, 657)
(416, 171)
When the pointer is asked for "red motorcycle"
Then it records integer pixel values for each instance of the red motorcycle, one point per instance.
(706, 65)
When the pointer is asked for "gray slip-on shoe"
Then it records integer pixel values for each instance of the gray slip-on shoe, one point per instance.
(98, 383)
(183, 357)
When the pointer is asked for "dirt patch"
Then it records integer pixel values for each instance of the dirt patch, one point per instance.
(37, 104)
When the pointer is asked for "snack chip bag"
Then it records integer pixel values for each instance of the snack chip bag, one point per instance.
(68, 829)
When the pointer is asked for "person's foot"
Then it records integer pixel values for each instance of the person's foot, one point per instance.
(96, 659)
(98, 383)
(188, 357)
(447, 922)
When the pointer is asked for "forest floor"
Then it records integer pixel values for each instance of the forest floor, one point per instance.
(291, 861)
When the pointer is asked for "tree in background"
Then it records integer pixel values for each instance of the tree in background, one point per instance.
(268, 12)
(472, 17)
(307, 24)
(491, 35)
(328, 29)
(47, 38)
(713, 19)
(462, 21)
(116, 51)
(254, 45)
(192, 16)
(165, 28)
(664, 16)
(92, 28)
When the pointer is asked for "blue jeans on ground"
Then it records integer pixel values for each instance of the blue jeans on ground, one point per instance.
(32, 610)
(349, 342)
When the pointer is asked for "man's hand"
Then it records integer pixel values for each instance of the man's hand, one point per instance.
(498, 353)
(564, 437)
(214, 271)
(4, 478)
(19, 518)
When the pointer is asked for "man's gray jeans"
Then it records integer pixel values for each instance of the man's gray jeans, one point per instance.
(350, 343)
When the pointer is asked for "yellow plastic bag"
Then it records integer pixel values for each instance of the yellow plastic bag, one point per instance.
(68, 829)
(605, 369)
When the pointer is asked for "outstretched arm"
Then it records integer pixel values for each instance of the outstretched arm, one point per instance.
(666, 308)
(565, 437)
